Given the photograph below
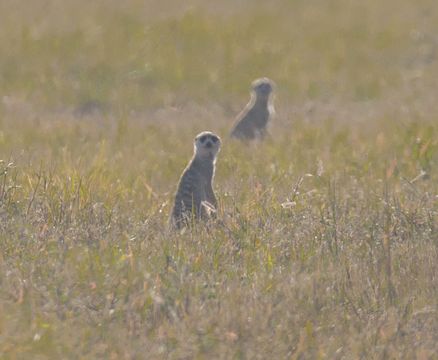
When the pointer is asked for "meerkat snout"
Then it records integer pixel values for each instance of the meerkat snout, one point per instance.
(207, 144)
(263, 86)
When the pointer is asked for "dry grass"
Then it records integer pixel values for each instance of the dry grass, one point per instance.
(328, 242)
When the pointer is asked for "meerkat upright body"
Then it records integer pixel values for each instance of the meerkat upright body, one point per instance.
(252, 122)
(195, 198)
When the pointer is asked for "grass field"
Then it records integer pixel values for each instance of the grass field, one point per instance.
(328, 241)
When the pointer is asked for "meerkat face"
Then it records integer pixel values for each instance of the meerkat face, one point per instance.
(207, 145)
(263, 87)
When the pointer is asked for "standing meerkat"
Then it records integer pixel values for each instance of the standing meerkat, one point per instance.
(195, 198)
(252, 122)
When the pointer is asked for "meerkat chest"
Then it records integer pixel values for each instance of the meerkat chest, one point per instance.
(261, 116)
(204, 175)
(205, 179)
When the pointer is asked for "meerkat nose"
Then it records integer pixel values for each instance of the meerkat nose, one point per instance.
(208, 144)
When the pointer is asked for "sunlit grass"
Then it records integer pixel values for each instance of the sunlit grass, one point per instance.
(321, 237)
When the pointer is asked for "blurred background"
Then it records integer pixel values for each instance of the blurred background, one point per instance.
(122, 56)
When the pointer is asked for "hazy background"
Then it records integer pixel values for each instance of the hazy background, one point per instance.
(144, 54)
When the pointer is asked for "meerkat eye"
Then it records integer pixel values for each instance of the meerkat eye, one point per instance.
(203, 138)
(214, 139)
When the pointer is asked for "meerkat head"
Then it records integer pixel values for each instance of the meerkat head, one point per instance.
(262, 87)
(207, 145)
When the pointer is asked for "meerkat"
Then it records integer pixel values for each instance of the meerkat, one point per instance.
(252, 122)
(195, 198)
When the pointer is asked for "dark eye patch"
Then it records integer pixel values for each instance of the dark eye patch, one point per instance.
(214, 139)
(203, 138)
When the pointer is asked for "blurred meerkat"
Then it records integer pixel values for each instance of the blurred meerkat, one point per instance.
(252, 122)
(195, 198)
